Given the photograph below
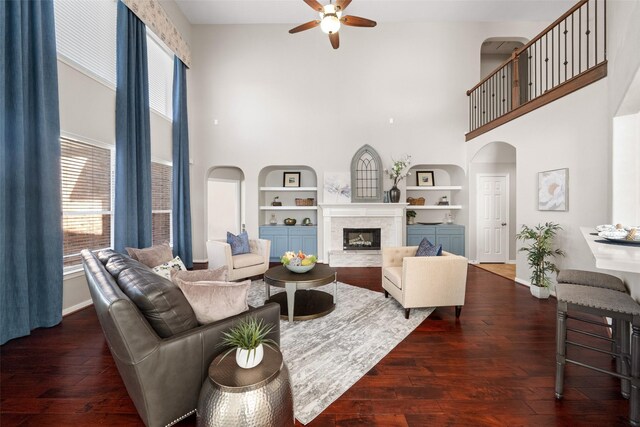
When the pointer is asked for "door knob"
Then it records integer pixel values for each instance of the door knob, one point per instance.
(504, 223)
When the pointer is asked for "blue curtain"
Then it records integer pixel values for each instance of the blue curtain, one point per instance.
(181, 199)
(30, 200)
(132, 217)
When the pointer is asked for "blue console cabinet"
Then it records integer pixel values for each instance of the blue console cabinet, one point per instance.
(290, 238)
(450, 236)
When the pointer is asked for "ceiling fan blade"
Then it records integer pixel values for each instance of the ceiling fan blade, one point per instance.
(356, 21)
(306, 26)
(314, 4)
(342, 4)
(335, 40)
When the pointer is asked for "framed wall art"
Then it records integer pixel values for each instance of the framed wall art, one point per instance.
(425, 179)
(553, 190)
(291, 179)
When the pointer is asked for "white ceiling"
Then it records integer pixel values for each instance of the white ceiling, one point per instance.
(296, 11)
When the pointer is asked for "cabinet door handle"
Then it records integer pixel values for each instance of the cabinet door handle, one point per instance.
(504, 223)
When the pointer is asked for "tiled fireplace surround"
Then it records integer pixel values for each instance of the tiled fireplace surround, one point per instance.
(389, 217)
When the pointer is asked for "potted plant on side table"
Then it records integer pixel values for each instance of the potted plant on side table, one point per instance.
(248, 338)
(539, 254)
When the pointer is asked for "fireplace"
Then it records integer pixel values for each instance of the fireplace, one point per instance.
(359, 239)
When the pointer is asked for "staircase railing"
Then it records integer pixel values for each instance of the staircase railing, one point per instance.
(568, 55)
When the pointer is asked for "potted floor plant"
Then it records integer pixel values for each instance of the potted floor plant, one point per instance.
(539, 250)
(248, 338)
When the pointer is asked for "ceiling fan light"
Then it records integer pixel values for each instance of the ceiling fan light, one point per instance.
(330, 24)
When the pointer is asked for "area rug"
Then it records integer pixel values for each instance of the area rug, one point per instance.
(326, 356)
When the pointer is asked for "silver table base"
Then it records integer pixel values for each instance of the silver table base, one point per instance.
(269, 405)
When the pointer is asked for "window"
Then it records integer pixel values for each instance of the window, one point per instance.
(366, 176)
(86, 199)
(86, 36)
(160, 65)
(161, 202)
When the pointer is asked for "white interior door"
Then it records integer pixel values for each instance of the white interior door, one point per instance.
(223, 208)
(492, 215)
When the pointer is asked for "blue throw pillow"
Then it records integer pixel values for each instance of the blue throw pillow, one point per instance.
(426, 248)
(239, 244)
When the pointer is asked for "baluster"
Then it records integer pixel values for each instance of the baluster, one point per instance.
(552, 55)
(579, 40)
(604, 28)
(565, 50)
(595, 31)
(587, 34)
(573, 47)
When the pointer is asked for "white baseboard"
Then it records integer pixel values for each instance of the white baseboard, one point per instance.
(511, 261)
(201, 260)
(76, 307)
(473, 261)
(523, 282)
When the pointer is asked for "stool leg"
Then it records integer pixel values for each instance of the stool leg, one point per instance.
(623, 350)
(634, 400)
(561, 338)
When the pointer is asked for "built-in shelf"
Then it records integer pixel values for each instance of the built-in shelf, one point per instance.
(436, 188)
(288, 208)
(288, 189)
(433, 207)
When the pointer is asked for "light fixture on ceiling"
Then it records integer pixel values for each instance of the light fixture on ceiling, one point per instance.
(331, 18)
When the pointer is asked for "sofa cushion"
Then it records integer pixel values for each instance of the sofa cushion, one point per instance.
(247, 260)
(165, 269)
(220, 274)
(159, 300)
(239, 244)
(119, 263)
(426, 248)
(394, 275)
(215, 300)
(153, 256)
(105, 254)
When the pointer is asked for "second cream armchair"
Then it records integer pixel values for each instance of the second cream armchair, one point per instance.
(240, 266)
(432, 281)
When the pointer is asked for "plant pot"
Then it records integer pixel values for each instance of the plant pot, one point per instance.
(411, 220)
(539, 292)
(248, 359)
(394, 194)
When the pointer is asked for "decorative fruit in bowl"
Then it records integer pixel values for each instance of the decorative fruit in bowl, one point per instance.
(298, 262)
(289, 221)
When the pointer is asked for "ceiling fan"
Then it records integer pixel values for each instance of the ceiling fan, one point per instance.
(331, 18)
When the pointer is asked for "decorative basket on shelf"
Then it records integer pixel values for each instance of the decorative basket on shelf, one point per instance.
(420, 201)
(305, 202)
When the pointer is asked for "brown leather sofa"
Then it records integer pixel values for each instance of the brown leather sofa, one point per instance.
(161, 352)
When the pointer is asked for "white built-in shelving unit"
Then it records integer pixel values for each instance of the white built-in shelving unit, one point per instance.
(270, 181)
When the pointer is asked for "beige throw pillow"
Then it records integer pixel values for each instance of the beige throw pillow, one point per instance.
(153, 256)
(219, 274)
(214, 300)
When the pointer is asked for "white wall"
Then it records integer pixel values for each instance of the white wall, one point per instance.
(284, 99)
(626, 170)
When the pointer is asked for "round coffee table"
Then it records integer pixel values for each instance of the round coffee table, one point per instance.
(307, 304)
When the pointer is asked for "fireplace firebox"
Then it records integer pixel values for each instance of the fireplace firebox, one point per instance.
(359, 239)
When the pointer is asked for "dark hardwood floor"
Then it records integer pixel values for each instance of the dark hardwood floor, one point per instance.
(493, 366)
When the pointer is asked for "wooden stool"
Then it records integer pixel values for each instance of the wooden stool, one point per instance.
(605, 303)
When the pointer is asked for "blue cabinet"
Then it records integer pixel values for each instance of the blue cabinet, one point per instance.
(451, 237)
(290, 238)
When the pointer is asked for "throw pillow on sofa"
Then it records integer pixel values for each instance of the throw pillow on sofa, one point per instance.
(167, 268)
(220, 274)
(153, 256)
(426, 248)
(239, 244)
(215, 300)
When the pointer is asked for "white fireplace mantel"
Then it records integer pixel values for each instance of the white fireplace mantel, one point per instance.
(392, 214)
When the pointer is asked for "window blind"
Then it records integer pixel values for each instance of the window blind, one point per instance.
(86, 35)
(160, 65)
(86, 199)
(161, 203)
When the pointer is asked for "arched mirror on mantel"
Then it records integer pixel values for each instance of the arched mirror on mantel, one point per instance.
(366, 176)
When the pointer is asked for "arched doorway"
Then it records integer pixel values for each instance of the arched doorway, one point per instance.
(225, 201)
(492, 204)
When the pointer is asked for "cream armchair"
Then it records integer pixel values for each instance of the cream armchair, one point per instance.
(434, 281)
(240, 266)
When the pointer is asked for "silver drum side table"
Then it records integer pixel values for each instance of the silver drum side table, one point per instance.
(233, 396)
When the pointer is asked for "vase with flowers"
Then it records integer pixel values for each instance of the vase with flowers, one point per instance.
(397, 173)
